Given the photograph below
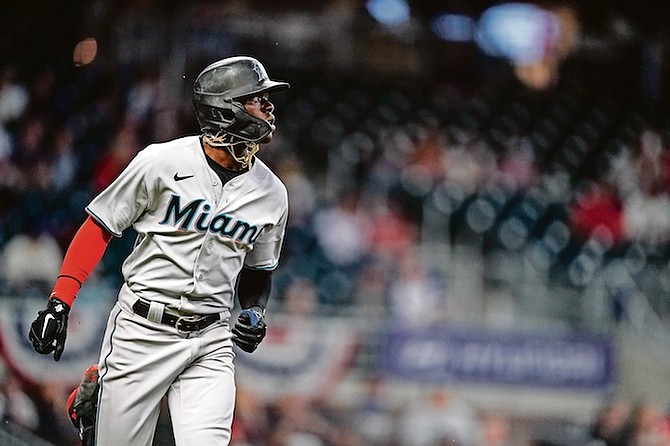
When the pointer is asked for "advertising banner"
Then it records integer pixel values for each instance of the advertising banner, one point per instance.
(528, 359)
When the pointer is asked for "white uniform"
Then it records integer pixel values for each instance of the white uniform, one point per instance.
(194, 236)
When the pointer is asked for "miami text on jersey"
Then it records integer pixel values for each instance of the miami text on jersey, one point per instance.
(222, 224)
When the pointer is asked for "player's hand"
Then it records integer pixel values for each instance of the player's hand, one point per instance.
(249, 329)
(48, 331)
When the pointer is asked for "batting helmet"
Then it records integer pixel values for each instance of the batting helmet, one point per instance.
(216, 94)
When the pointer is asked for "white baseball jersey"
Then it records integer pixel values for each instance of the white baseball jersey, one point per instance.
(194, 234)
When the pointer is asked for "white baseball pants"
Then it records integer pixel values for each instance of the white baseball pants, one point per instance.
(142, 361)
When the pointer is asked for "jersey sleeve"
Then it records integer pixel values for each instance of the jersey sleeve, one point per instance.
(267, 248)
(119, 205)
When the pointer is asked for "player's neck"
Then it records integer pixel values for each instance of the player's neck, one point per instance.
(222, 157)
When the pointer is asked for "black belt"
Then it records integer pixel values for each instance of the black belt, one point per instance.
(193, 322)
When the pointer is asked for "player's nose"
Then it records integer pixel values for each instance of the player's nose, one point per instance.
(268, 107)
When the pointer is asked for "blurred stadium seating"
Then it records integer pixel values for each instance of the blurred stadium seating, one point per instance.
(531, 207)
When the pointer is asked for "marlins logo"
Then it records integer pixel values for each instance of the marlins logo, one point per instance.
(222, 224)
(259, 72)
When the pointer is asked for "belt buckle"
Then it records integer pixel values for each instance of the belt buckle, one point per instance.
(190, 322)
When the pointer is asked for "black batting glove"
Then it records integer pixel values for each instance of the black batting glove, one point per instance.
(249, 329)
(49, 330)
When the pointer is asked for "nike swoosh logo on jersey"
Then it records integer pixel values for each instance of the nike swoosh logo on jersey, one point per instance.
(178, 178)
(46, 323)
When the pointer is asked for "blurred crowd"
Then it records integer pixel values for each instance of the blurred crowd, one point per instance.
(620, 423)
(376, 169)
(375, 165)
(356, 245)
(436, 418)
(35, 409)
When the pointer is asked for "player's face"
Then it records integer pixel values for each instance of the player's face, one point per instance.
(261, 107)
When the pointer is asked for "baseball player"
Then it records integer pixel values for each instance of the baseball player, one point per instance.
(210, 219)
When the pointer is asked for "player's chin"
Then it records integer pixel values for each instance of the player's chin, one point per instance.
(267, 138)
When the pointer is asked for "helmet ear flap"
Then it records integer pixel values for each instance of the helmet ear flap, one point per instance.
(222, 115)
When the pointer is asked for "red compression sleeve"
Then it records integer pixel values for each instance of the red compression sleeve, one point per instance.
(83, 255)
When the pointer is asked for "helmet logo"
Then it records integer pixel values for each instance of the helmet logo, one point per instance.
(259, 73)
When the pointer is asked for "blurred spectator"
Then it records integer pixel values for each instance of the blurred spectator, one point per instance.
(300, 247)
(14, 96)
(496, 430)
(42, 90)
(343, 232)
(123, 148)
(300, 299)
(51, 400)
(517, 165)
(417, 294)
(649, 161)
(300, 423)
(31, 261)
(338, 20)
(645, 426)
(623, 174)
(392, 233)
(372, 289)
(251, 425)
(424, 161)
(647, 217)
(301, 191)
(470, 165)
(31, 143)
(12, 180)
(142, 97)
(609, 422)
(6, 144)
(65, 163)
(375, 414)
(647, 205)
(136, 39)
(346, 436)
(15, 405)
(598, 207)
(440, 418)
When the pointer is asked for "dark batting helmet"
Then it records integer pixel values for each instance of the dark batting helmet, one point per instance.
(216, 94)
